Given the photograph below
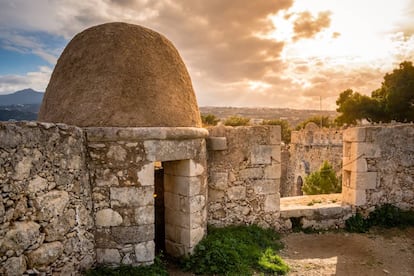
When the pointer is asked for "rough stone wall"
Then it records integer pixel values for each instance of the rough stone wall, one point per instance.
(45, 202)
(308, 150)
(379, 166)
(121, 162)
(244, 175)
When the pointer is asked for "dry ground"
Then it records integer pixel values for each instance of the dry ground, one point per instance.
(380, 252)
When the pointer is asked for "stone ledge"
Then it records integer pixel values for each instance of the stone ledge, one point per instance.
(143, 133)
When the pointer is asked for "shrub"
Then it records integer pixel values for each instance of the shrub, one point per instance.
(323, 181)
(234, 250)
(271, 262)
(386, 216)
(236, 121)
(286, 132)
(209, 119)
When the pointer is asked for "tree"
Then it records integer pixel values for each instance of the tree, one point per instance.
(286, 131)
(323, 181)
(394, 100)
(209, 119)
(236, 121)
(326, 122)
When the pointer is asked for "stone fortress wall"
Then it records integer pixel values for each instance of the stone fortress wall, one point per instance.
(72, 198)
(308, 149)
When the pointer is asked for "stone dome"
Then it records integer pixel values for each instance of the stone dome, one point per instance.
(120, 75)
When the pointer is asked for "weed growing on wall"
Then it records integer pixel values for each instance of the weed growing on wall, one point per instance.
(237, 250)
(386, 216)
(236, 121)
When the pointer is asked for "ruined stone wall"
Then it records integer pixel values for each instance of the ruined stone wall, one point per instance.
(379, 166)
(45, 200)
(244, 175)
(308, 150)
(121, 162)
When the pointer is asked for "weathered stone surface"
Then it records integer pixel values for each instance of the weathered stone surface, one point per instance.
(273, 171)
(108, 256)
(217, 143)
(252, 173)
(37, 184)
(266, 186)
(15, 266)
(131, 196)
(218, 180)
(22, 169)
(272, 203)
(45, 254)
(184, 168)
(145, 252)
(236, 192)
(20, 236)
(170, 150)
(60, 226)
(133, 234)
(52, 204)
(131, 91)
(117, 153)
(108, 217)
(146, 175)
(263, 154)
(144, 215)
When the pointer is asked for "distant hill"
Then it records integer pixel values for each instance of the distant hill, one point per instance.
(26, 96)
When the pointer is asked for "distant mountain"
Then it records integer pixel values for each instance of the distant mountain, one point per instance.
(26, 96)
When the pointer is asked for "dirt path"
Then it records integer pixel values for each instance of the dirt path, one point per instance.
(380, 252)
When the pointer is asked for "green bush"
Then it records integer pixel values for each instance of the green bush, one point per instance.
(323, 181)
(156, 269)
(209, 119)
(234, 250)
(386, 216)
(286, 131)
(271, 262)
(236, 121)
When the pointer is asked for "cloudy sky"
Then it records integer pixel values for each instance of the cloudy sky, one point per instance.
(277, 53)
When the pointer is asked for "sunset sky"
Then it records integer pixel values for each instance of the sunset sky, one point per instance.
(276, 53)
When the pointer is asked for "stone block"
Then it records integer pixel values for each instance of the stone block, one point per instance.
(218, 180)
(175, 249)
(197, 203)
(46, 254)
(184, 185)
(133, 234)
(107, 179)
(146, 175)
(268, 186)
(355, 164)
(15, 266)
(263, 154)
(52, 204)
(216, 143)
(365, 149)
(131, 196)
(145, 252)
(251, 173)
(60, 226)
(353, 196)
(172, 201)
(273, 171)
(144, 215)
(38, 184)
(190, 237)
(184, 168)
(356, 134)
(177, 218)
(170, 150)
(107, 217)
(107, 256)
(236, 192)
(116, 153)
(215, 195)
(363, 180)
(275, 135)
(272, 203)
(198, 219)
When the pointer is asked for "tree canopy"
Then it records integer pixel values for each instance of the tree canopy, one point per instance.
(394, 100)
(323, 181)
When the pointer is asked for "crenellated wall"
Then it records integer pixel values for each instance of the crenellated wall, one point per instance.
(244, 166)
(45, 201)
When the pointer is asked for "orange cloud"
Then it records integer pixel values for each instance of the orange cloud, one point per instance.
(307, 26)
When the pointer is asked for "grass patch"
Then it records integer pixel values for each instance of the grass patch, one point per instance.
(237, 250)
(386, 216)
(156, 269)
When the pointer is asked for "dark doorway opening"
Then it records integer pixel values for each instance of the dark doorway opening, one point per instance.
(159, 208)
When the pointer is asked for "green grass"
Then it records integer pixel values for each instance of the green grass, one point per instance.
(237, 250)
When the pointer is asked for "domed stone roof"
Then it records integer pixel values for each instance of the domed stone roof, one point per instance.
(120, 75)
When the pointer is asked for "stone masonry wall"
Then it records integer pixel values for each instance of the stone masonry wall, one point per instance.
(121, 162)
(244, 175)
(379, 166)
(45, 200)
